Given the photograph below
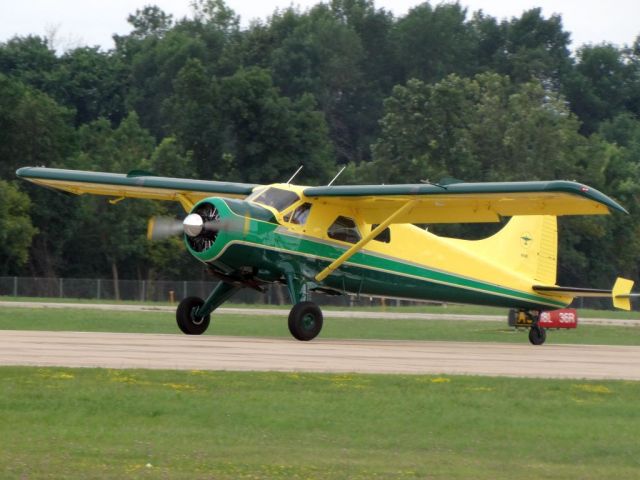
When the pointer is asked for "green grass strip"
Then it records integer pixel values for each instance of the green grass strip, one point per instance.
(93, 423)
(276, 326)
(390, 307)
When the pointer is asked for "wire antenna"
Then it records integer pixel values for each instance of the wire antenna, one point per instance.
(294, 175)
(337, 175)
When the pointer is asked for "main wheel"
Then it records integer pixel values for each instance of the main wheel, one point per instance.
(186, 318)
(537, 335)
(305, 321)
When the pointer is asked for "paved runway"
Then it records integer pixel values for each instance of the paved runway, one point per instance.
(123, 350)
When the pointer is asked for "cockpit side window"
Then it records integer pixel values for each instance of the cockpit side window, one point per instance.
(277, 198)
(299, 215)
(344, 229)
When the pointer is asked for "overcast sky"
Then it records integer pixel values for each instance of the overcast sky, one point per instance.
(91, 22)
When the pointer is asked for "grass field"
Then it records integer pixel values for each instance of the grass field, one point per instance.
(139, 424)
(276, 326)
(420, 308)
(87, 423)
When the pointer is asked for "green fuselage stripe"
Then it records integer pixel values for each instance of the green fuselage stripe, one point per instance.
(372, 262)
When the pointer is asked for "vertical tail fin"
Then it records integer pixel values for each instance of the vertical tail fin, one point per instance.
(621, 293)
(527, 245)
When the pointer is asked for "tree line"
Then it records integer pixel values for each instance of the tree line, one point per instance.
(438, 92)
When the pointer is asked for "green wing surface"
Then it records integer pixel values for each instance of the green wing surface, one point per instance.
(134, 185)
(468, 202)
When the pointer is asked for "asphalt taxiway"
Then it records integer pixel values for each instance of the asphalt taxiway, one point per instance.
(208, 352)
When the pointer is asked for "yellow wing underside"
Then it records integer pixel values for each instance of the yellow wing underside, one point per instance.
(186, 198)
(461, 203)
(471, 208)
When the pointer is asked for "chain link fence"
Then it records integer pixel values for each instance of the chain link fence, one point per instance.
(174, 291)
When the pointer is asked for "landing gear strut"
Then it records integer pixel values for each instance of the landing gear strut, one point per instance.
(305, 321)
(194, 314)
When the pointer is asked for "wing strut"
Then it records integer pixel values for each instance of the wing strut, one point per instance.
(366, 239)
(185, 202)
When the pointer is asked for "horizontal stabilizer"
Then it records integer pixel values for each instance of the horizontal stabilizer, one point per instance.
(573, 291)
(620, 294)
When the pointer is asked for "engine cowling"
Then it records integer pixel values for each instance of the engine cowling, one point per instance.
(201, 226)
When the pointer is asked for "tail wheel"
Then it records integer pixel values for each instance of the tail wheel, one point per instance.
(305, 321)
(186, 317)
(537, 335)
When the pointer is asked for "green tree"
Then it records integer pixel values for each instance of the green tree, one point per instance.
(536, 48)
(111, 237)
(432, 42)
(604, 83)
(93, 83)
(269, 135)
(16, 229)
(30, 60)
(150, 21)
(193, 114)
(170, 160)
(157, 50)
(321, 55)
(34, 129)
(480, 129)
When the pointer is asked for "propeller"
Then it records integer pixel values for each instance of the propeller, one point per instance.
(161, 228)
(193, 225)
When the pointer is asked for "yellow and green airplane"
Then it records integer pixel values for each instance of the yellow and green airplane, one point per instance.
(363, 240)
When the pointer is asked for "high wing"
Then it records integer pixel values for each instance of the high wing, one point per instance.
(134, 185)
(466, 202)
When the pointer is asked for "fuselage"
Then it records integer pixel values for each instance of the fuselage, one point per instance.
(279, 233)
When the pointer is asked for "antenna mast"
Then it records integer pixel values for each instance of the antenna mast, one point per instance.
(294, 175)
(337, 175)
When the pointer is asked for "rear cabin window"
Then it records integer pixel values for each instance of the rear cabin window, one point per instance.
(383, 236)
(277, 198)
(299, 215)
(344, 229)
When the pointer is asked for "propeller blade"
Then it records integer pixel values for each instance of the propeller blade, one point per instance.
(161, 228)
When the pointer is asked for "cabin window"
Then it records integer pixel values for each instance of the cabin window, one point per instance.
(383, 236)
(344, 229)
(299, 215)
(277, 198)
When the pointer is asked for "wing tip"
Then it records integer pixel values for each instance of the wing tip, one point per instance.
(22, 172)
(598, 196)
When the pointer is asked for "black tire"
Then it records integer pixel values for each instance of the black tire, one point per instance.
(537, 335)
(187, 321)
(305, 321)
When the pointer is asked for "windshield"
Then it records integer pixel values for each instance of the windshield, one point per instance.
(277, 198)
